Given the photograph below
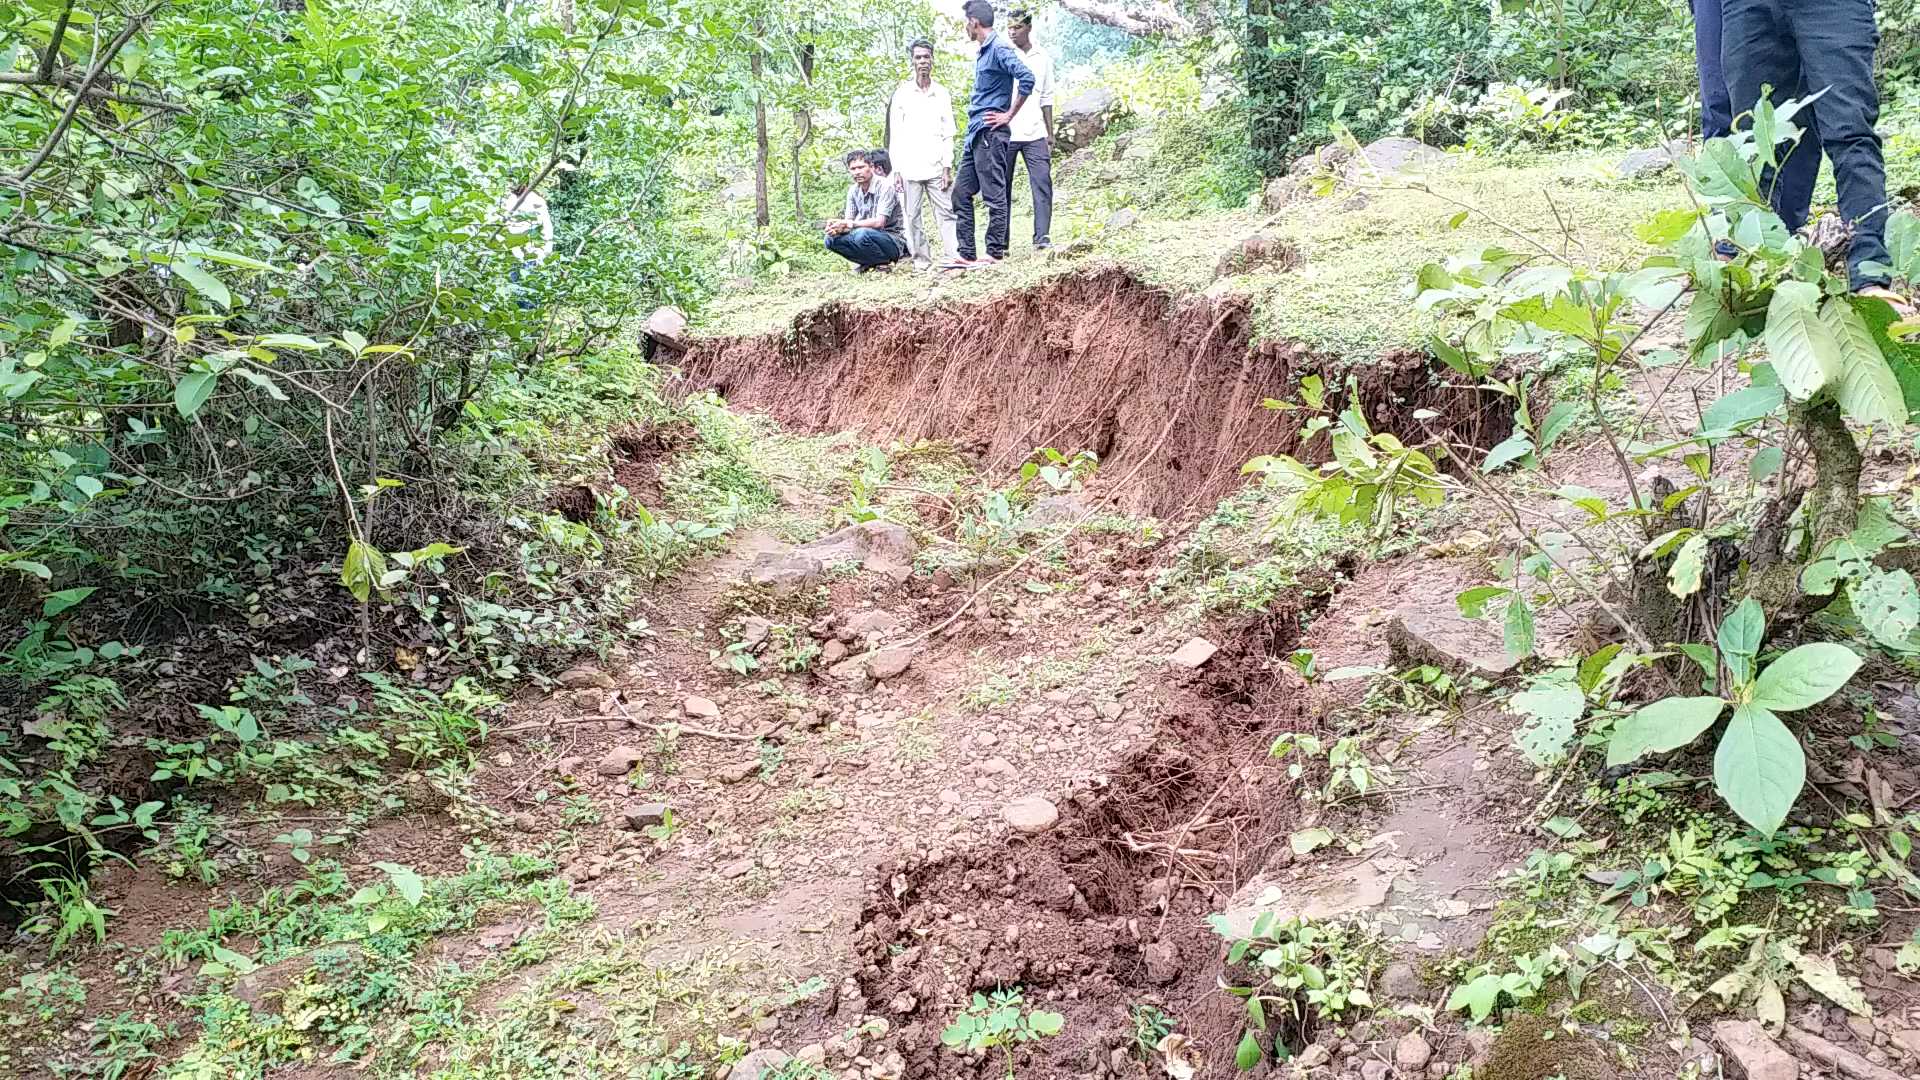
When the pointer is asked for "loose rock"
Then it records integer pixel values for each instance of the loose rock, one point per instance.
(639, 817)
(620, 761)
(584, 677)
(1031, 815)
(889, 663)
(1752, 1053)
(1401, 981)
(1411, 1053)
(1196, 652)
(760, 1063)
(699, 708)
(1163, 962)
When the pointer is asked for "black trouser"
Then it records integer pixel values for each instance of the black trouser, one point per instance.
(1800, 47)
(983, 172)
(1039, 158)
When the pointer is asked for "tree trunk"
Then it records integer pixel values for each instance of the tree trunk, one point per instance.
(761, 216)
(566, 16)
(802, 130)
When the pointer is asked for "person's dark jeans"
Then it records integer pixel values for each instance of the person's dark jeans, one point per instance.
(983, 172)
(866, 247)
(1800, 47)
(1716, 104)
(1039, 158)
(1792, 188)
(521, 274)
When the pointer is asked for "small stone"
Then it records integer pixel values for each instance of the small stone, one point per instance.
(833, 652)
(1400, 981)
(1411, 1053)
(1314, 1056)
(760, 1063)
(902, 1004)
(737, 868)
(1031, 814)
(1753, 1054)
(891, 1067)
(1375, 1070)
(985, 738)
(889, 663)
(811, 1054)
(1479, 1046)
(754, 630)
(584, 677)
(738, 771)
(997, 766)
(640, 817)
(1195, 653)
(1907, 1041)
(525, 821)
(699, 708)
(620, 761)
(503, 759)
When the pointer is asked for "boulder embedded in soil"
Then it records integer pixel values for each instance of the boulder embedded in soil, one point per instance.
(1447, 640)
(620, 760)
(699, 708)
(879, 546)
(1397, 152)
(785, 571)
(1083, 118)
(1195, 653)
(1259, 251)
(1031, 815)
(1752, 1053)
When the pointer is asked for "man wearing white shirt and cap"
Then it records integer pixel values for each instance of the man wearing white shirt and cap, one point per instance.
(920, 144)
(1032, 128)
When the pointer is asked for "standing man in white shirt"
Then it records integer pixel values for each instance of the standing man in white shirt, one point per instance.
(525, 211)
(1032, 129)
(920, 142)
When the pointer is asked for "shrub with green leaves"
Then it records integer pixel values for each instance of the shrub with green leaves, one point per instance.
(1000, 1021)
(1758, 767)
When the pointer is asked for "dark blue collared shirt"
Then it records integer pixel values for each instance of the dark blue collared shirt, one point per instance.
(994, 74)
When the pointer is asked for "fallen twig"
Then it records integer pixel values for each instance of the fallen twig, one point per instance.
(677, 728)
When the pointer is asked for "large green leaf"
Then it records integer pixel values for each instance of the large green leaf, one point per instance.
(1805, 677)
(1683, 577)
(1740, 637)
(1887, 603)
(1555, 709)
(1741, 407)
(1867, 388)
(1759, 768)
(1667, 724)
(1805, 355)
(1903, 357)
(203, 282)
(192, 391)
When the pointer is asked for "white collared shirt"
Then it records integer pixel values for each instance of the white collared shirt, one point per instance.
(1030, 123)
(921, 132)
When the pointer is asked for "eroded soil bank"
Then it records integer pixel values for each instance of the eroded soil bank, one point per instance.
(1166, 390)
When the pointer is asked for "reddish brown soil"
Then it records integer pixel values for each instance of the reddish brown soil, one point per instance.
(1096, 361)
(1069, 916)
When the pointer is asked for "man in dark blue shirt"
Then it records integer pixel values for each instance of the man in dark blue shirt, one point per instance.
(984, 154)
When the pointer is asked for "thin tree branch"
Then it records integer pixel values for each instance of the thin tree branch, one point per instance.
(80, 93)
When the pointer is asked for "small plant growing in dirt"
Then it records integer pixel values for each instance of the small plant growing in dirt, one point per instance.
(1372, 476)
(1310, 971)
(1150, 1025)
(1348, 767)
(1758, 767)
(1000, 1021)
(1484, 987)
